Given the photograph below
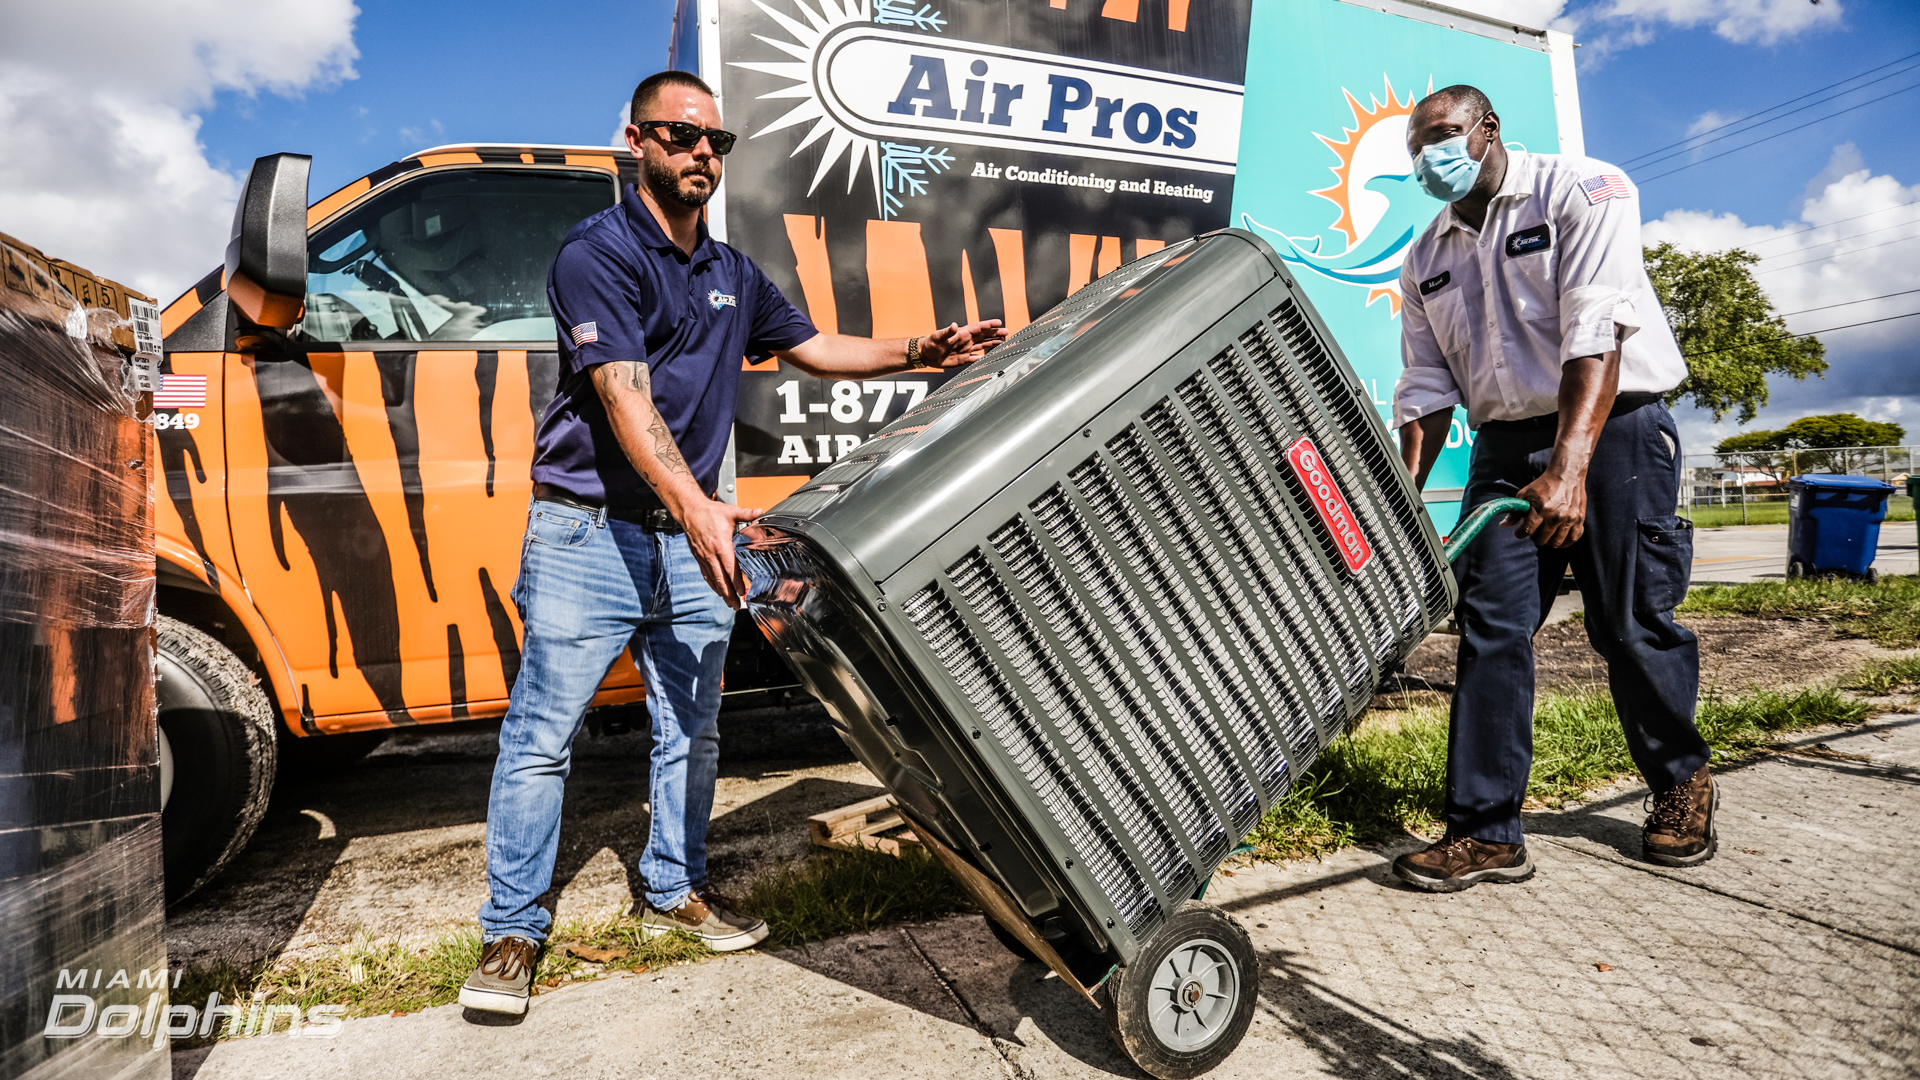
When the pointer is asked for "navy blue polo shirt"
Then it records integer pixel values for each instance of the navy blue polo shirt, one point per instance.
(621, 289)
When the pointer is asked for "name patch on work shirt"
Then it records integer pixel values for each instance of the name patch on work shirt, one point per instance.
(1528, 241)
(1435, 283)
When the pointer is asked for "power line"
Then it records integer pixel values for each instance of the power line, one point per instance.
(1642, 160)
(1835, 255)
(1777, 134)
(1841, 240)
(1790, 337)
(1845, 303)
(1825, 224)
(1771, 108)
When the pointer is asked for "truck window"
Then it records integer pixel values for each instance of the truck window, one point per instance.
(451, 256)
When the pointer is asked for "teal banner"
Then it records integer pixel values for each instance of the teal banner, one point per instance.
(1324, 174)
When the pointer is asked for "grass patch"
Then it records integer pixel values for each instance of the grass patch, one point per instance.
(830, 893)
(1888, 677)
(1383, 778)
(824, 895)
(371, 976)
(1887, 614)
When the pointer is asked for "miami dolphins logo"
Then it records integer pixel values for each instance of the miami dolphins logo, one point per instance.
(1381, 204)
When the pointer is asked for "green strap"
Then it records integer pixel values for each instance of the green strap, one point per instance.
(1471, 525)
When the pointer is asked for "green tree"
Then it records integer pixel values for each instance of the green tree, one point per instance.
(1840, 429)
(1811, 444)
(1760, 449)
(1727, 330)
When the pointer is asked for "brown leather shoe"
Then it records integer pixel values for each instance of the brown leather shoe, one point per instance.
(504, 980)
(1679, 830)
(709, 917)
(1461, 862)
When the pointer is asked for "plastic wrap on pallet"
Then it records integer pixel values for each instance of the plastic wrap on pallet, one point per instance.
(81, 893)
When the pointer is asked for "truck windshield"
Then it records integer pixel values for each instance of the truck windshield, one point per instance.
(451, 256)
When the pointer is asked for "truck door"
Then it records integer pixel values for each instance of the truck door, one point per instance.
(379, 474)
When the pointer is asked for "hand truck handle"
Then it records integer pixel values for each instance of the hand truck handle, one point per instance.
(1471, 525)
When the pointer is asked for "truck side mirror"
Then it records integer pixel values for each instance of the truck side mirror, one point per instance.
(267, 257)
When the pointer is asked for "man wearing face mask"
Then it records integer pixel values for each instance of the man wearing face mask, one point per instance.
(627, 547)
(1528, 302)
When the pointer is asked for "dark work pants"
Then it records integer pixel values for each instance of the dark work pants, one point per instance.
(1632, 566)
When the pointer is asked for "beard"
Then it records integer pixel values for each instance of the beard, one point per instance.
(667, 182)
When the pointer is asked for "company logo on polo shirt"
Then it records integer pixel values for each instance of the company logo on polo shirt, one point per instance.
(884, 99)
(1330, 504)
(1528, 241)
(717, 300)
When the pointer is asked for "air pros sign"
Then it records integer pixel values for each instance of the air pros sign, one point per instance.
(891, 85)
(905, 166)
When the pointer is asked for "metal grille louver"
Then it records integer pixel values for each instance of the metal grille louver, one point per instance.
(1155, 641)
(1382, 496)
(1135, 608)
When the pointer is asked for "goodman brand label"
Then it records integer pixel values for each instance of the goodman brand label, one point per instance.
(1330, 504)
(886, 84)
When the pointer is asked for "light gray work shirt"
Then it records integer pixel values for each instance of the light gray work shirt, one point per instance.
(1489, 317)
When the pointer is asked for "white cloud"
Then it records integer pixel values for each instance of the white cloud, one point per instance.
(1744, 22)
(1855, 239)
(103, 163)
(1708, 121)
(1605, 27)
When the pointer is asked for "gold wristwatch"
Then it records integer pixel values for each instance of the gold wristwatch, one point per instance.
(913, 352)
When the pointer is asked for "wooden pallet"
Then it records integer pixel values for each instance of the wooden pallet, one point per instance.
(875, 824)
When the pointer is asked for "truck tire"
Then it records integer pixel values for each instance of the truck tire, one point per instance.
(218, 756)
(1187, 1000)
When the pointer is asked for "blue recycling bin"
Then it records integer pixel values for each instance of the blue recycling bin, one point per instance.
(1833, 523)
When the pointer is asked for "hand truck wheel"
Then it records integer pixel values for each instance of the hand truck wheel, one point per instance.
(1187, 999)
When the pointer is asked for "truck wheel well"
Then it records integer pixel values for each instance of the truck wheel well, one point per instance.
(207, 613)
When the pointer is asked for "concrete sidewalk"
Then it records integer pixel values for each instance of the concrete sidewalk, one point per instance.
(1738, 553)
(1796, 952)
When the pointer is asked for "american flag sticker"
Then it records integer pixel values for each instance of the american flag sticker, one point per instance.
(1606, 186)
(181, 392)
(583, 334)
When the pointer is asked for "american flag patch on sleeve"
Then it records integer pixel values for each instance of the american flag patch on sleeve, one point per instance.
(583, 334)
(181, 392)
(1605, 186)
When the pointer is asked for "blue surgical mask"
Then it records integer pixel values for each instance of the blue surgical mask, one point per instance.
(1445, 170)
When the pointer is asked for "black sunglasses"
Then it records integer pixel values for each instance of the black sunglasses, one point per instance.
(686, 136)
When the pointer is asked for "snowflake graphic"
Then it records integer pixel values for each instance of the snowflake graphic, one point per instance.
(903, 171)
(901, 13)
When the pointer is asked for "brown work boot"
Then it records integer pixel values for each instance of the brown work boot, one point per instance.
(706, 915)
(1461, 862)
(1679, 830)
(504, 980)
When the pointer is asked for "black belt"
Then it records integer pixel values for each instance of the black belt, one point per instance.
(1622, 405)
(651, 518)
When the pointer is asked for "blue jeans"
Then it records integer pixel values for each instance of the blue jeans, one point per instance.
(590, 587)
(1632, 566)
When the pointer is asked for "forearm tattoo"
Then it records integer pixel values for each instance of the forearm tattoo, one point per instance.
(632, 377)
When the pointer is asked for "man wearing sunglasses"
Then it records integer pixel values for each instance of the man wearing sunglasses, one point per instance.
(627, 545)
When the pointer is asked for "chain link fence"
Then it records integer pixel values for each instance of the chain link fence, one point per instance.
(1750, 487)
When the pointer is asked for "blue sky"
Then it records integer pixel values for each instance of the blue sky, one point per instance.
(1644, 97)
(443, 73)
(133, 169)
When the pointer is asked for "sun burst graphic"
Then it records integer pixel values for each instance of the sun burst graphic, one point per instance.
(1392, 112)
(861, 153)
